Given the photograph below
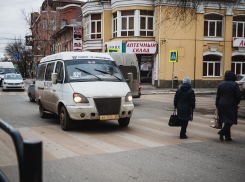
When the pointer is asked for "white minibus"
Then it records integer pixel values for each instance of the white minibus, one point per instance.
(82, 86)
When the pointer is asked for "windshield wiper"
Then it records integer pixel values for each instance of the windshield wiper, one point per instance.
(88, 73)
(108, 73)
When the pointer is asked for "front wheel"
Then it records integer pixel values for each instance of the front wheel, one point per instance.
(41, 111)
(65, 120)
(124, 122)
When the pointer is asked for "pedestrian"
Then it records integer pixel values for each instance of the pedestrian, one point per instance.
(32, 74)
(227, 99)
(184, 101)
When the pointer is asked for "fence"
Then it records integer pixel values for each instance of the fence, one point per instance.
(29, 155)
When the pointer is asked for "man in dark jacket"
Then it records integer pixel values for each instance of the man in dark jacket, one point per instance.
(227, 99)
(184, 101)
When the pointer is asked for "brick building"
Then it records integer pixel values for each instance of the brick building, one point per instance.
(53, 16)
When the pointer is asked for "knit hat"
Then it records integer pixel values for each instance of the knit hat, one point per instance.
(187, 80)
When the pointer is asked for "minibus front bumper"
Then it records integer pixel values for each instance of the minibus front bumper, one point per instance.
(91, 113)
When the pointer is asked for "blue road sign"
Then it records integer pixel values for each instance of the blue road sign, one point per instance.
(173, 56)
(16, 55)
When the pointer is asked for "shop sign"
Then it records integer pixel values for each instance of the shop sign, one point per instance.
(238, 42)
(77, 39)
(141, 47)
(113, 45)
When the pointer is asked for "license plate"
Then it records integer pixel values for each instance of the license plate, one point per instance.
(106, 117)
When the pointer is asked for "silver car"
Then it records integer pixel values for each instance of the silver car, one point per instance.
(13, 81)
(31, 92)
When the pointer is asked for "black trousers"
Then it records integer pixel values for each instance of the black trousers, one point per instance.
(226, 130)
(184, 124)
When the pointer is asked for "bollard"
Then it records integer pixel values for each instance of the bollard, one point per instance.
(33, 160)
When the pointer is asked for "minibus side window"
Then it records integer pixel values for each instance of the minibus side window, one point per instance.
(49, 71)
(59, 69)
(41, 72)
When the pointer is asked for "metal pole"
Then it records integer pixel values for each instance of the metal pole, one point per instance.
(173, 77)
(33, 160)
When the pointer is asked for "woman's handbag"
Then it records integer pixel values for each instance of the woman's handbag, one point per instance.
(214, 123)
(173, 120)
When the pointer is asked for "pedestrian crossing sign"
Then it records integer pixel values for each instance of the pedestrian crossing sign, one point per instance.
(173, 56)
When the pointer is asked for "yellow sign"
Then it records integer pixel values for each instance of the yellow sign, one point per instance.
(173, 56)
(112, 50)
(105, 117)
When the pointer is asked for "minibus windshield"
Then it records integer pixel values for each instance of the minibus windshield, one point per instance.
(93, 70)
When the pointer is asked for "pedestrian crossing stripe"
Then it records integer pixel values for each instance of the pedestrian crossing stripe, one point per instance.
(141, 133)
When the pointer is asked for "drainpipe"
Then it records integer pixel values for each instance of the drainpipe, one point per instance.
(103, 47)
(159, 48)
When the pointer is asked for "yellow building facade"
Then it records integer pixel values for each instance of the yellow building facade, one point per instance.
(208, 40)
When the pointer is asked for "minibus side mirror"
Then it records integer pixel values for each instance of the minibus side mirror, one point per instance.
(130, 77)
(54, 78)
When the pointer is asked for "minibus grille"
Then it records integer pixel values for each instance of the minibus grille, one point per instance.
(108, 106)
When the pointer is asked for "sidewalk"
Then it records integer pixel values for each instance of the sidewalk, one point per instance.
(150, 90)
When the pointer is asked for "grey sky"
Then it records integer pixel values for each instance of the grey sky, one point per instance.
(12, 24)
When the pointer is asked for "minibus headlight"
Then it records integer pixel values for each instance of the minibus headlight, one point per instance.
(79, 98)
(128, 97)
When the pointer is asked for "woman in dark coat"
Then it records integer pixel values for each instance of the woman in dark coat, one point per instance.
(227, 99)
(184, 101)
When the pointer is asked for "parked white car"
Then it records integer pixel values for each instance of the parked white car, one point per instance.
(241, 82)
(13, 81)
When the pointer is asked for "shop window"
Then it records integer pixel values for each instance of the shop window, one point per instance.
(213, 24)
(146, 23)
(127, 23)
(93, 26)
(62, 23)
(211, 66)
(114, 25)
(238, 26)
(238, 65)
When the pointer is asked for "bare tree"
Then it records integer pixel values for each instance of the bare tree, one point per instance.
(25, 61)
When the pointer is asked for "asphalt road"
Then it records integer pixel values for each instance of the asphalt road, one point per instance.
(147, 150)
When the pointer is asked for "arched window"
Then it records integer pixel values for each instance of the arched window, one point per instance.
(213, 24)
(238, 64)
(238, 26)
(211, 66)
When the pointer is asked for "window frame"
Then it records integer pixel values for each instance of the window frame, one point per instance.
(88, 27)
(146, 24)
(237, 22)
(213, 62)
(47, 71)
(62, 24)
(127, 23)
(215, 21)
(53, 24)
(45, 23)
(114, 25)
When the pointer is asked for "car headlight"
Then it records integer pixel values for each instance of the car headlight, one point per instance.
(79, 98)
(128, 97)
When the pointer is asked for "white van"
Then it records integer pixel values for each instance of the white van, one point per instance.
(128, 63)
(82, 86)
(5, 67)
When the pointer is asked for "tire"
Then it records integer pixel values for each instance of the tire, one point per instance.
(41, 111)
(243, 94)
(31, 99)
(65, 120)
(124, 122)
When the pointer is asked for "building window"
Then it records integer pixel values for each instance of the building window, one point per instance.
(238, 26)
(238, 65)
(146, 23)
(95, 31)
(114, 24)
(211, 66)
(213, 24)
(45, 24)
(53, 24)
(52, 46)
(73, 21)
(62, 23)
(127, 23)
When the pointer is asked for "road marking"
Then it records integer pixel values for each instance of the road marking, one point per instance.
(7, 157)
(53, 148)
(91, 141)
(137, 139)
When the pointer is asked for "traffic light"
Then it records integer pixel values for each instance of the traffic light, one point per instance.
(38, 60)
